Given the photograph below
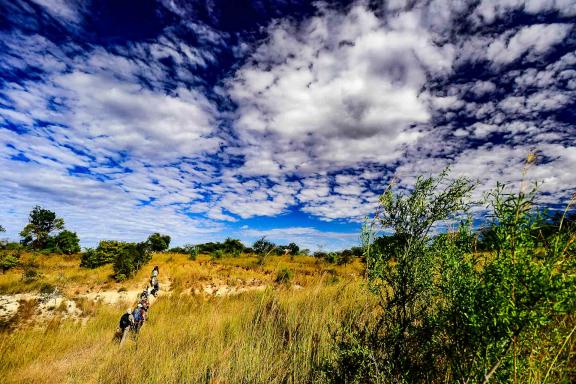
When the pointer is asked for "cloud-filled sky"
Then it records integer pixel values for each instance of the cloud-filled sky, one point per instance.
(285, 119)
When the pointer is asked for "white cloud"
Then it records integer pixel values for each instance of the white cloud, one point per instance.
(328, 108)
(534, 41)
(308, 237)
(64, 10)
(335, 91)
(488, 11)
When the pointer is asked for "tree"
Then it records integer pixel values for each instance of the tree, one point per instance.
(41, 224)
(263, 246)
(449, 313)
(106, 252)
(401, 274)
(129, 259)
(294, 248)
(233, 247)
(67, 242)
(2, 229)
(158, 242)
(345, 257)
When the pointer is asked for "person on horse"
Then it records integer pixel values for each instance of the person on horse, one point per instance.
(138, 316)
(126, 321)
(154, 281)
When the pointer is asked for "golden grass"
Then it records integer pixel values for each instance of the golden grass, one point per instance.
(275, 336)
(64, 272)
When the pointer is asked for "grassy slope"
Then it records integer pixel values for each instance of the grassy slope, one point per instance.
(274, 336)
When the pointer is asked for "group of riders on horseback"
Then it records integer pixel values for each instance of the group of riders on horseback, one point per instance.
(133, 319)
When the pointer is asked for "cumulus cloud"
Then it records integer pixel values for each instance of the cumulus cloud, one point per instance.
(533, 40)
(489, 11)
(337, 90)
(316, 117)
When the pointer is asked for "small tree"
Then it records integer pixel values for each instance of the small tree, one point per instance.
(401, 274)
(130, 258)
(233, 247)
(294, 249)
(345, 257)
(450, 314)
(67, 242)
(263, 248)
(41, 224)
(158, 242)
(10, 256)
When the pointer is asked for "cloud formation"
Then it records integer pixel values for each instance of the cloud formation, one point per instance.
(194, 124)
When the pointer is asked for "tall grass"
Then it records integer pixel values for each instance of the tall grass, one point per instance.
(276, 336)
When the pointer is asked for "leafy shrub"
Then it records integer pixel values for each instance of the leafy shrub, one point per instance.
(8, 260)
(30, 273)
(193, 253)
(47, 289)
(67, 242)
(331, 257)
(283, 276)
(320, 254)
(263, 248)
(191, 250)
(105, 253)
(158, 242)
(450, 314)
(130, 258)
(344, 257)
(10, 256)
(127, 258)
(217, 254)
(233, 247)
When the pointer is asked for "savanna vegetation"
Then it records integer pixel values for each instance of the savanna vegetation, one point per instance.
(431, 296)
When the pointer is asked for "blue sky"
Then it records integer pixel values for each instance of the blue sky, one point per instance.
(285, 119)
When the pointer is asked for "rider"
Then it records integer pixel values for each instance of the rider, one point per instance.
(125, 321)
(138, 318)
(154, 281)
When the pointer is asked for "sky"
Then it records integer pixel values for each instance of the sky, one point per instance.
(286, 119)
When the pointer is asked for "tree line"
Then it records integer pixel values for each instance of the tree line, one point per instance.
(46, 233)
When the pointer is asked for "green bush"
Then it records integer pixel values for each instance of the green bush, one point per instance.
(10, 255)
(67, 242)
(158, 242)
(191, 250)
(217, 254)
(105, 253)
(8, 260)
(127, 258)
(130, 258)
(30, 272)
(450, 314)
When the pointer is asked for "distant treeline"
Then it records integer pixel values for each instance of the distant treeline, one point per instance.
(263, 247)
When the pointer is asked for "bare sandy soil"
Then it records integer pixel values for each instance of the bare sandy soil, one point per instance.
(42, 308)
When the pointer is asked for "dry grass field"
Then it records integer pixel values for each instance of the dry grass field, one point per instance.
(269, 333)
